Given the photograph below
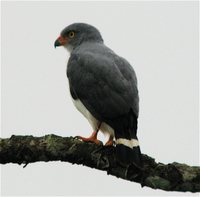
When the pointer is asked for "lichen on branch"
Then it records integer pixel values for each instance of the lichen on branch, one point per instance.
(29, 149)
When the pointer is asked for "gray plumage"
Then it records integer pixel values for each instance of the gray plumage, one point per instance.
(105, 82)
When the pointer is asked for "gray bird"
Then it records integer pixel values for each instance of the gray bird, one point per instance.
(103, 87)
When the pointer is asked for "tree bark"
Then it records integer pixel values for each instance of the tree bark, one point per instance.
(29, 149)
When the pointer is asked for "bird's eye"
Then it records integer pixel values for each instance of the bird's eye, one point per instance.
(71, 34)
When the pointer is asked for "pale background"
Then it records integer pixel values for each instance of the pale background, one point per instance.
(160, 40)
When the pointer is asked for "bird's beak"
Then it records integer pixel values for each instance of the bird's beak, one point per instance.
(60, 41)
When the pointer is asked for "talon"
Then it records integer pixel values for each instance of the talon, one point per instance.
(92, 138)
(96, 141)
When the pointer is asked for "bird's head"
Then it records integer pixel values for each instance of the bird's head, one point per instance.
(77, 33)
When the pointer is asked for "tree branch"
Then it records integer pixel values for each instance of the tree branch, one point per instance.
(28, 149)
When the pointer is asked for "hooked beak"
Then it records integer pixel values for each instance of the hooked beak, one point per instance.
(60, 41)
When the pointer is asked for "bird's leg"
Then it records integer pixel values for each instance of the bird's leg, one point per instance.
(110, 141)
(93, 137)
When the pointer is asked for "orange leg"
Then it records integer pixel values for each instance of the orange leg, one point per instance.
(92, 138)
(110, 141)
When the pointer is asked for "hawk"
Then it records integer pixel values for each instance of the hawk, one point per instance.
(104, 89)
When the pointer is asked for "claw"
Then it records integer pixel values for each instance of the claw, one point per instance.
(96, 141)
(92, 138)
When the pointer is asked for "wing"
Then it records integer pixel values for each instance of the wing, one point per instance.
(106, 85)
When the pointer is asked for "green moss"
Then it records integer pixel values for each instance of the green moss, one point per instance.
(157, 183)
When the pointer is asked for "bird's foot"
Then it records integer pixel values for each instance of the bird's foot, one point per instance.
(110, 142)
(89, 139)
(92, 138)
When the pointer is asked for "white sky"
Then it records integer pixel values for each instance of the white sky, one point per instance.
(160, 40)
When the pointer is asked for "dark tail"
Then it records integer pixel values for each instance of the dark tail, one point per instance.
(127, 145)
(128, 155)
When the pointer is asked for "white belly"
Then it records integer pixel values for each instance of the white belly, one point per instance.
(105, 128)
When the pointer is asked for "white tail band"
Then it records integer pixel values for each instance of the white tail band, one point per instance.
(130, 143)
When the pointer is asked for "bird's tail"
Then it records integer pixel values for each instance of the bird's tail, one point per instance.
(128, 151)
(127, 145)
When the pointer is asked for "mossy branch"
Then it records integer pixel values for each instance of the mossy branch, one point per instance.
(29, 149)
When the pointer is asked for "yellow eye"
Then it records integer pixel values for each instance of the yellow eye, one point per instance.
(71, 34)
